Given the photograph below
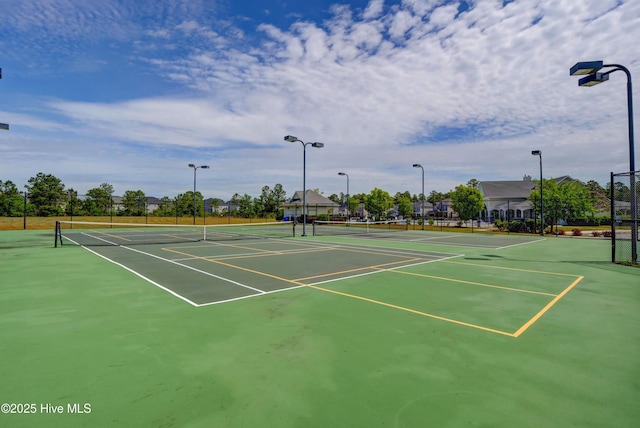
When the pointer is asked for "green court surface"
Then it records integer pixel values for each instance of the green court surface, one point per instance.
(410, 329)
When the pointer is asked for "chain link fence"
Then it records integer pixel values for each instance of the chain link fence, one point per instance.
(624, 213)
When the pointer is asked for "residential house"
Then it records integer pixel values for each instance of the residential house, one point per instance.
(507, 199)
(510, 199)
(316, 205)
(218, 206)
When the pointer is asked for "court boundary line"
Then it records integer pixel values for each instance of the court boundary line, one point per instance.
(392, 250)
(423, 240)
(516, 269)
(258, 291)
(544, 310)
(248, 296)
(533, 241)
(194, 269)
(138, 274)
(516, 334)
(374, 267)
(432, 240)
(479, 284)
(380, 270)
(316, 286)
(413, 311)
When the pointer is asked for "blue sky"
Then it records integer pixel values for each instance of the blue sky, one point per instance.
(129, 92)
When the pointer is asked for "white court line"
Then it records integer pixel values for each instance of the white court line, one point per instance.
(383, 250)
(259, 253)
(140, 275)
(337, 246)
(427, 240)
(522, 243)
(168, 261)
(457, 244)
(385, 270)
(249, 296)
(431, 238)
(194, 269)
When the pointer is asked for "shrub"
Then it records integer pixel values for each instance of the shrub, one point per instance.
(596, 234)
(576, 232)
(501, 225)
(516, 226)
(560, 232)
(606, 234)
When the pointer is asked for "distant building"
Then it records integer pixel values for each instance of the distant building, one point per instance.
(510, 199)
(507, 199)
(316, 205)
(218, 206)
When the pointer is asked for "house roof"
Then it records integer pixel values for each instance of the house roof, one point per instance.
(567, 179)
(506, 189)
(313, 198)
(515, 189)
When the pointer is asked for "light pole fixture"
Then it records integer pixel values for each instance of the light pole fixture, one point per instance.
(346, 175)
(593, 76)
(191, 165)
(417, 165)
(539, 153)
(292, 139)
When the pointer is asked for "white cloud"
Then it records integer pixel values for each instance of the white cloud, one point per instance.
(373, 9)
(468, 96)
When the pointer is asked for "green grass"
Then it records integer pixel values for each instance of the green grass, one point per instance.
(77, 329)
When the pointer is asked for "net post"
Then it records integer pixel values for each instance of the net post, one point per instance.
(57, 235)
(315, 233)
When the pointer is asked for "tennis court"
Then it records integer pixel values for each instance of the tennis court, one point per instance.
(210, 265)
(400, 231)
(266, 328)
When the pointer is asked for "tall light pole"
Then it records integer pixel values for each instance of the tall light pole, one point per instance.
(417, 165)
(346, 175)
(292, 139)
(4, 126)
(593, 76)
(24, 211)
(539, 153)
(195, 168)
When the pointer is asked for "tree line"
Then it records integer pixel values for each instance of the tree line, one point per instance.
(48, 196)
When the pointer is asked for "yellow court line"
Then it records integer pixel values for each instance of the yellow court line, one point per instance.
(366, 299)
(233, 246)
(263, 253)
(381, 252)
(112, 236)
(374, 267)
(474, 283)
(508, 268)
(267, 253)
(546, 308)
(413, 311)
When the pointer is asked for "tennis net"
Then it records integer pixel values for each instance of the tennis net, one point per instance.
(327, 228)
(88, 233)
